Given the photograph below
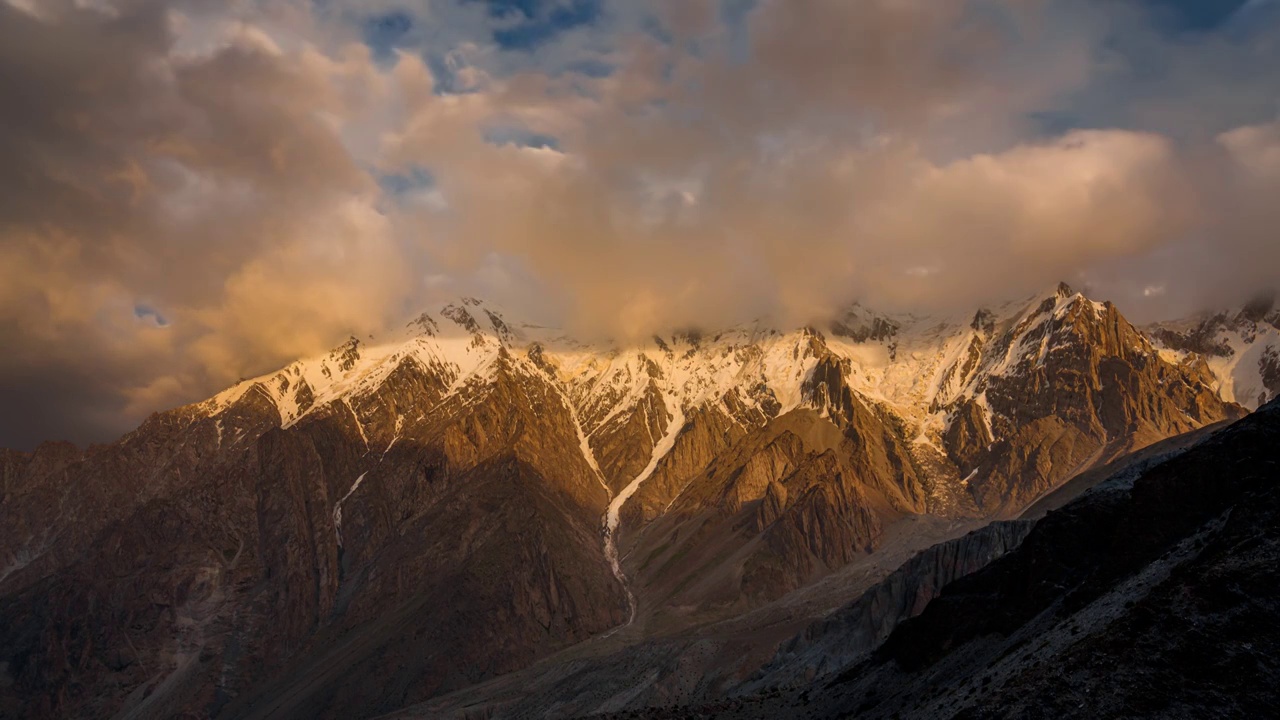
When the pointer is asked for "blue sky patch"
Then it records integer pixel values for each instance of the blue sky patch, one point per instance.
(591, 68)
(414, 179)
(384, 33)
(146, 313)
(1057, 122)
(520, 137)
(735, 14)
(503, 8)
(534, 23)
(1195, 15)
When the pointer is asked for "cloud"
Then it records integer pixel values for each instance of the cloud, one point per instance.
(207, 188)
(195, 193)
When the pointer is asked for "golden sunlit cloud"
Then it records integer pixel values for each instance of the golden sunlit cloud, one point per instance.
(193, 194)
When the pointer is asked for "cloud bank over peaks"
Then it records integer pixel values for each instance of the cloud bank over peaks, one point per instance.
(270, 176)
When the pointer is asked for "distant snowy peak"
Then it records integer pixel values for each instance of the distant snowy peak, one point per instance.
(919, 367)
(1240, 347)
(926, 363)
(466, 316)
(454, 344)
(860, 324)
(461, 341)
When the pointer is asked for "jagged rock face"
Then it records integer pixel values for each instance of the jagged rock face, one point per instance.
(1237, 349)
(65, 497)
(968, 437)
(623, 443)
(785, 504)
(132, 590)
(1269, 370)
(1151, 597)
(451, 600)
(875, 441)
(295, 535)
(400, 518)
(823, 519)
(1203, 340)
(874, 328)
(774, 462)
(140, 608)
(708, 432)
(243, 567)
(1094, 388)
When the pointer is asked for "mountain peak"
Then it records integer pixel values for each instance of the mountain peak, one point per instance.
(1241, 349)
(1257, 309)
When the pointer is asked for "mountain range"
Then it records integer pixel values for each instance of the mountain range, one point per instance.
(480, 517)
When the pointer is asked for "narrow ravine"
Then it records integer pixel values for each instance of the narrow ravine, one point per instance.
(614, 514)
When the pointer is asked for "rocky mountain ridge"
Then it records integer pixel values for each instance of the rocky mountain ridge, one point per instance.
(1241, 349)
(495, 493)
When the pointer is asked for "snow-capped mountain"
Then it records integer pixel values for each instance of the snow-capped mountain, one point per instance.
(936, 377)
(1241, 349)
(920, 368)
(496, 491)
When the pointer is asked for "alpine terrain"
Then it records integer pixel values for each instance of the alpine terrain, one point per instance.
(991, 514)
